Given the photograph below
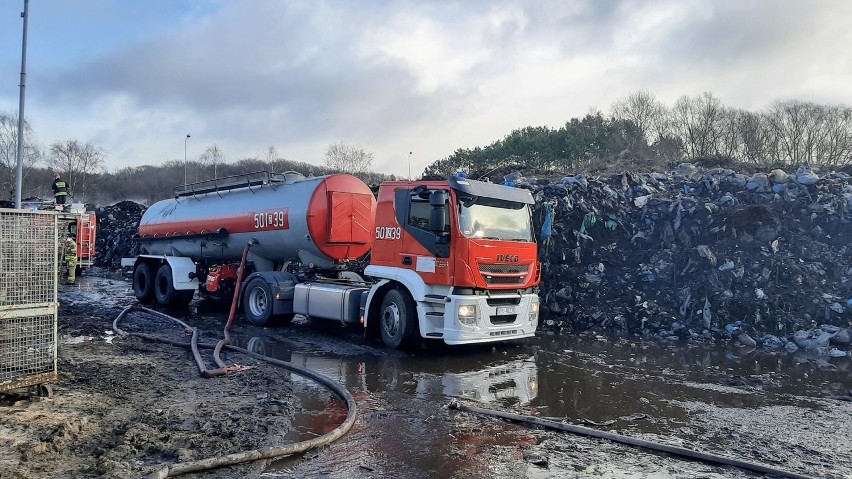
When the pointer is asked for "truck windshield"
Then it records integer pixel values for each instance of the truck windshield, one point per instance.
(494, 219)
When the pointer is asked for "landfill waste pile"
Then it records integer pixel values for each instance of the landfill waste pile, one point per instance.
(763, 260)
(116, 226)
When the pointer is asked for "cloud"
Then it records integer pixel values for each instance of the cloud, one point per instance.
(427, 77)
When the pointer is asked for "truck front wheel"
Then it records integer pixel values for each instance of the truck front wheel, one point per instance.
(398, 322)
(258, 304)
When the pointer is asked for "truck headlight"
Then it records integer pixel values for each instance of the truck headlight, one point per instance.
(467, 314)
(534, 311)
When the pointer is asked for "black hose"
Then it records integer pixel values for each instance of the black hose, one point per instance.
(255, 454)
(656, 446)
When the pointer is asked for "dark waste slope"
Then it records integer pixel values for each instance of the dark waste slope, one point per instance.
(698, 254)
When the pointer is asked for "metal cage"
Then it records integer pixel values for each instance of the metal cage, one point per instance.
(28, 297)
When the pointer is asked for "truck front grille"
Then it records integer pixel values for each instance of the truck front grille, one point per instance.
(504, 273)
(503, 268)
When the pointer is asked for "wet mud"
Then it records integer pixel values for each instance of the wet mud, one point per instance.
(123, 406)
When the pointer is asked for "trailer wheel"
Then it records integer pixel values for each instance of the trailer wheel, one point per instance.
(165, 292)
(143, 282)
(398, 321)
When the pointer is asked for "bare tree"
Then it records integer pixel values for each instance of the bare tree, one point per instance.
(78, 161)
(695, 121)
(9, 152)
(346, 158)
(754, 134)
(213, 156)
(836, 145)
(271, 157)
(683, 125)
(643, 109)
(728, 138)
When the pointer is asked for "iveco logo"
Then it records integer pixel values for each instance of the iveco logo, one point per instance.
(508, 258)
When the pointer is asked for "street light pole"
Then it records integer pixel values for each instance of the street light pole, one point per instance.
(409, 165)
(184, 158)
(20, 153)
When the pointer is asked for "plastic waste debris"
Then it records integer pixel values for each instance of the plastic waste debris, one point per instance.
(746, 340)
(806, 176)
(641, 201)
(547, 224)
(778, 176)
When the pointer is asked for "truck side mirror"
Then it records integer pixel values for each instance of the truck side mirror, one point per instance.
(437, 219)
(438, 215)
(437, 198)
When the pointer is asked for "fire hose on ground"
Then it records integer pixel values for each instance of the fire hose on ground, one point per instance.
(631, 441)
(194, 345)
(255, 454)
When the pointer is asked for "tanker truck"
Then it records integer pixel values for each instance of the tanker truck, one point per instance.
(452, 260)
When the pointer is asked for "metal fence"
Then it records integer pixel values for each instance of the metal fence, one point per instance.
(28, 298)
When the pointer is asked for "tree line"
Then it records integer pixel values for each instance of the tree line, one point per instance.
(641, 131)
(83, 166)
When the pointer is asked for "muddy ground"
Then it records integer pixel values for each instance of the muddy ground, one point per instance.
(123, 406)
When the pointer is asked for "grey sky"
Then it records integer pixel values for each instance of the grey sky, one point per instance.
(394, 77)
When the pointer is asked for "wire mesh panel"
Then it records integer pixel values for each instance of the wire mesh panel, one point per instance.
(27, 258)
(27, 351)
(28, 304)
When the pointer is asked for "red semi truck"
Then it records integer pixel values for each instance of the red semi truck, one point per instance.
(453, 260)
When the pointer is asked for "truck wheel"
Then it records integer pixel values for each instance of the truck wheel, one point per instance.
(257, 302)
(143, 282)
(165, 292)
(398, 321)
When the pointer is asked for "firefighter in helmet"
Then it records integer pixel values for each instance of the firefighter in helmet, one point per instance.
(69, 249)
(60, 189)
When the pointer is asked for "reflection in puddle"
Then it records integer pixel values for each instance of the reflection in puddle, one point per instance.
(486, 379)
(510, 383)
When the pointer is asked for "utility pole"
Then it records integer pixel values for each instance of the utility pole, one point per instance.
(19, 175)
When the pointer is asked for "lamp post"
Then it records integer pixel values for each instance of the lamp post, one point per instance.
(409, 165)
(184, 158)
(20, 153)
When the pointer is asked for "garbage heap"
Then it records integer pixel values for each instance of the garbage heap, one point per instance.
(701, 254)
(116, 226)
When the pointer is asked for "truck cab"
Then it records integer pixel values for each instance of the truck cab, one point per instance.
(457, 261)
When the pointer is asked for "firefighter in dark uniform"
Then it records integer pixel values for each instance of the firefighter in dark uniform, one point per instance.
(60, 189)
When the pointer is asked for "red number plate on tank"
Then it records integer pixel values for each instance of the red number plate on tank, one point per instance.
(267, 220)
